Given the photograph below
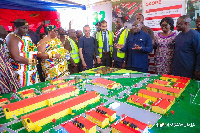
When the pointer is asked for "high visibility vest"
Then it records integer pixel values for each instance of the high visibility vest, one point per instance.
(122, 40)
(100, 42)
(74, 52)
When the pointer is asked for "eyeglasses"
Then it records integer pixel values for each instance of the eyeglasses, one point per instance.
(135, 25)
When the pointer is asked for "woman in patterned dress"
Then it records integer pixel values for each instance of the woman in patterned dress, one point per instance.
(164, 44)
(53, 55)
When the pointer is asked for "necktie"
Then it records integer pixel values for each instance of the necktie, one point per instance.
(105, 42)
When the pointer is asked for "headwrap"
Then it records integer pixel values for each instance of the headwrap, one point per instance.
(18, 24)
(50, 27)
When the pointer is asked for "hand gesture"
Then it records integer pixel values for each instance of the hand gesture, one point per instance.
(84, 65)
(119, 46)
(137, 47)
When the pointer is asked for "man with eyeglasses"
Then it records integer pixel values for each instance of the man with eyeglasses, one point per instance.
(138, 45)
(186, 61)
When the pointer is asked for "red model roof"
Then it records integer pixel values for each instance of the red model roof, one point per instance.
(3, 100)
(155, 94)
(109, 111)
(137, 99)
(96, 115)
(33, 100)
(123, 128)
(164, 88)
(71, 128)
(46, 112)
(71, 81)
(171, 76)
(161, 82)
(28, 91)
(88, 124)
(183, 81)
(103, 81)
(48, 87)
(139, 124)
(162, 103)
(179, 85)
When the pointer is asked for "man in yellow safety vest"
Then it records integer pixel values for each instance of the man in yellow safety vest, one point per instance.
(119, 57)
(71, 45)
(105, 40)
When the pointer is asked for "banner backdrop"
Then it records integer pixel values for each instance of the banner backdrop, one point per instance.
(98, 13)
(155, 10)
(127, 10)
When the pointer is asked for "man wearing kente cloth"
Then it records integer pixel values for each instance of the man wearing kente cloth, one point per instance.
(54, 56)
(22, 53)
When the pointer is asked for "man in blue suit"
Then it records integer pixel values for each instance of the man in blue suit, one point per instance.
(138, 45)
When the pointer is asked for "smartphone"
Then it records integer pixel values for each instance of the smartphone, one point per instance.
(47, 22)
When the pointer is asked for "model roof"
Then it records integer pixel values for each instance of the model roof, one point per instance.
(139, 124)
(137, 99)
(164, 88)
(71, 128)
(48, 87)
(96, 115)
(123, 128)
(27, 91)
(109, 111)
(37, 99)
(46, 112)
(171, 76)
(3, 99)
(183, 81)
(71, 81)
(161, 82)
(162, 103)
(155, 94)
(103, 81)
(88, 124)
(179, 85)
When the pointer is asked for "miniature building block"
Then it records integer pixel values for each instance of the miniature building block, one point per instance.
(33, 103)
(46, 115)
(110, 113)
(137, 100)
(164, 90)
(105, 83)
(69, 127)
(48, 88)
(97, 118)
(90, 127)
(161, 106)
(57, 81)
(143, 127)
(3, 101)
(153, 96)
(179, 86)
(27, 93)
(161, 82)
(122, 128)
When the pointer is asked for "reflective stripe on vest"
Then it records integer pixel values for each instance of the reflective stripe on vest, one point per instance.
(122, 40)
(74, 52)
(100, 42)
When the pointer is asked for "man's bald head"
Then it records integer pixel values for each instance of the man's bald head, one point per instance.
(72, 33)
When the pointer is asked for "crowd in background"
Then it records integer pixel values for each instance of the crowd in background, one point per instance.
(29, 57)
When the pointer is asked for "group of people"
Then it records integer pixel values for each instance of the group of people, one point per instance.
(59, 54)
